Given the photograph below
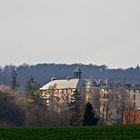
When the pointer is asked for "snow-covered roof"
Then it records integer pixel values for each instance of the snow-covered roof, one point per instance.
(64, 84)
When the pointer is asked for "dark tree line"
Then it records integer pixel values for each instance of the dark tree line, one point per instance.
(42, 73)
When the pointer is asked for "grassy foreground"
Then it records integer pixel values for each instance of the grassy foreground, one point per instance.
(72, 133)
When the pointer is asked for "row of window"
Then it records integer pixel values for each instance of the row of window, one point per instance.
(105, 96)
(128, 90)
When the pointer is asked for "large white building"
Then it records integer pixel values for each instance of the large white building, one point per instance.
(63, 88)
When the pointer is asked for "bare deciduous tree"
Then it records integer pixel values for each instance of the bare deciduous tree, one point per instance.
(93, 97)
(111, 105)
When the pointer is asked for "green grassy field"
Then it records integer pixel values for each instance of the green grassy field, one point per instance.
(72, 133)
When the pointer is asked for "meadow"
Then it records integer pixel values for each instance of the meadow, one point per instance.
(117, 132)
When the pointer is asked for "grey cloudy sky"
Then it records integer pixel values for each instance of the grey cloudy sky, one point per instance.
(70, 31)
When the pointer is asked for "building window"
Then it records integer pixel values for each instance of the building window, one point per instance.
(104, 95)
(134, 105)
(107, 96)
(134, 97)
(134, 90)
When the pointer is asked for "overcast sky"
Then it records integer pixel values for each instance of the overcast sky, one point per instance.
(70, 31)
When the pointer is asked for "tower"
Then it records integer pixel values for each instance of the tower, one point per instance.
(77, 73)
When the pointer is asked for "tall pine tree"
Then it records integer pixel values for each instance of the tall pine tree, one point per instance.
(89, 116)
(14, 83)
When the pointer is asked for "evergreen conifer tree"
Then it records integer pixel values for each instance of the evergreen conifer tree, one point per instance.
(89, 116)
(14, 83)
